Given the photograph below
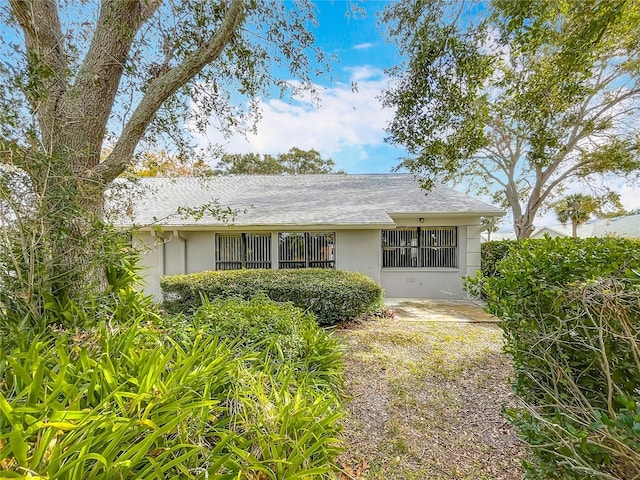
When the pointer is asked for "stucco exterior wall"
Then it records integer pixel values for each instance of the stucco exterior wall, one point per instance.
(151, 261)
(359, 251)
(356, 250)
(200, 251)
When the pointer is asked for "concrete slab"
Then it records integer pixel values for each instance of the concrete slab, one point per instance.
(425, 310)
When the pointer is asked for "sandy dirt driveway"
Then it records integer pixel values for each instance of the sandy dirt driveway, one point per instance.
(427, 390)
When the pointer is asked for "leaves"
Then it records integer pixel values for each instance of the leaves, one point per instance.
(294, 162)
(332, 295)
(174, 400)
(571, 318)
(518, 98)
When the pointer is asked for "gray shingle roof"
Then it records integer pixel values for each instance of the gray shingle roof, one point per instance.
(299, 200)
(628, 227)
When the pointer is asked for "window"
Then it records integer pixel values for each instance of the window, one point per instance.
(243, 250)
(306, 250)
(433, 247)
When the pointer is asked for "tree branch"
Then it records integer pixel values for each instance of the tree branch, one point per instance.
(88, 104)
(46, 57)
(161, 88)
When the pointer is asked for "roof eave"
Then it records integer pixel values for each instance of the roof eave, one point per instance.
(270, 226)
(479, 213)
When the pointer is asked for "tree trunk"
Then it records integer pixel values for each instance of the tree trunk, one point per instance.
(73, 212)
(574, 228)
(523, 226)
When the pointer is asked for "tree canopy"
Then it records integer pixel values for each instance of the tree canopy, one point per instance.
(78, 78)
(294, 162)
(577, 208)
(163, 164)
(516, 99)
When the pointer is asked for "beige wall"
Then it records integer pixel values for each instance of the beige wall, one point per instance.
(356, 250)
(359, 251)
(151, 261)
(441, 282)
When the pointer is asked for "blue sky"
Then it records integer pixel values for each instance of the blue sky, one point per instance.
(348, 126)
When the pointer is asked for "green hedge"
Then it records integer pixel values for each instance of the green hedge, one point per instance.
(570, 311)
(331, 295)
(492, 252)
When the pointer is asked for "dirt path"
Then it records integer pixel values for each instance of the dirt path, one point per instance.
(426, 402)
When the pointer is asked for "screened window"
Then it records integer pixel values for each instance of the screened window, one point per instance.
(432, 247)
(243, 250)
(306, 250)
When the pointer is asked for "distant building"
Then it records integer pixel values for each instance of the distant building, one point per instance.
(624, 227)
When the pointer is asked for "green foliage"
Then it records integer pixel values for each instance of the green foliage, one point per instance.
(331, 295)
(140, 80)
(570, 311)
(294, 162)
(506, 97)
(32, 301)
(491, 253)
(282, 333)
(163, 164)
(577, 208)
(140, 401)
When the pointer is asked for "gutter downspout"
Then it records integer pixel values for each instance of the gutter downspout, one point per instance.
(183, 251)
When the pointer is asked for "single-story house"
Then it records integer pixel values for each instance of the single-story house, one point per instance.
(415, 245)
(627, 226)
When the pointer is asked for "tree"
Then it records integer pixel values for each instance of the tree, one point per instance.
(77, 77)
(489, 225)
(577, 208)
(161, 164)
(516, 99)
(294, 162)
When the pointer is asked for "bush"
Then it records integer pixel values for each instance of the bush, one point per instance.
(331, 295)
(36, 312)
(282, 334)
(570, 310)
(492, 252)
(132, 402)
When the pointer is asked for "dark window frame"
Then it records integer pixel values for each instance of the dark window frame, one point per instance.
(245, 250)
(309, 253)
(421, 247)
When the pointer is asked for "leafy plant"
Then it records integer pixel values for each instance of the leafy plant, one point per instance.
(277, 334)
(149, 400)
(492, 252)
(570, 311)
(332, 295)
(30, 303)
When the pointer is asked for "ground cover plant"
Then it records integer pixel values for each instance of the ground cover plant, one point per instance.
(138, 396)
(331, 295)
(425, 402)
(570, 310)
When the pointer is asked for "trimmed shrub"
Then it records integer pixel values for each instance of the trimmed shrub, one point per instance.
(331, 295)
(570, 311)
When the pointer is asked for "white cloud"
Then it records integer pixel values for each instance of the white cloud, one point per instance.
(349, 117)
(363, 46)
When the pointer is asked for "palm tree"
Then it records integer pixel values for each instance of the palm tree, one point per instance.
(576, 208)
